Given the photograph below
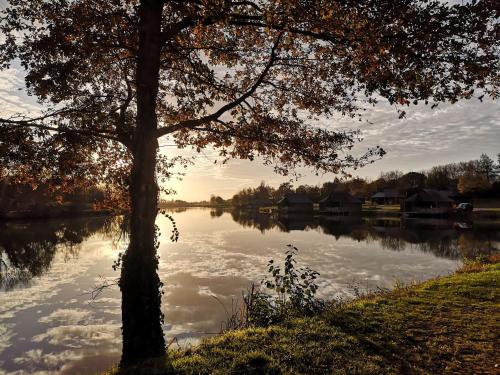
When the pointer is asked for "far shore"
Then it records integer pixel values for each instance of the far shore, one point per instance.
(62, 212)
(54, 213)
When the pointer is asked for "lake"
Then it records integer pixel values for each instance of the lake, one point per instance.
(50, 324)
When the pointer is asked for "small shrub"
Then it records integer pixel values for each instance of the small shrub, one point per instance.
(288, 291)
(478, 263)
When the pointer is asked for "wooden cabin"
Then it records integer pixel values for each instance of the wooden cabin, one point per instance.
(294, 203)
(340, 203)
(387, 196)
(361, 198)
(256, 204)
(428, 202)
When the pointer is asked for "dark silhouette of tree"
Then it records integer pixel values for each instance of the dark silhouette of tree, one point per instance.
(411, 180)
(247, 77)
(439, 177)
(391, 178)
(486, 166)
(283, 189)
(471, 182)
(216, 200)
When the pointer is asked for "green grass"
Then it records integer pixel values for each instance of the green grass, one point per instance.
(447, 325)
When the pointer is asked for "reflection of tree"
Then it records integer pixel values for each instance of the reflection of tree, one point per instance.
(439, 237)
(253, 219)
(216, 212)
(471, 246)
(392, 243)
(289, 222)
(27, 249)
(338, 226)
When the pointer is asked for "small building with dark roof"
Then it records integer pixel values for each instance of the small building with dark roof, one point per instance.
(361, 198)
(255, 204)
(387, 196)
(340, 203)
(294, 202)
(428, 202)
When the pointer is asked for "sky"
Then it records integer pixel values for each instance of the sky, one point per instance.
(449, 133)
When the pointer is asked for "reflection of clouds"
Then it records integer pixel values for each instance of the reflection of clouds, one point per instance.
(243, 253)
(213, 258)
(110, 306)
(32, 356)
(67, 316)
(64, 362)
(196, 305)
(77, 336)
(5, 335)
(55, 300)
(49, 285)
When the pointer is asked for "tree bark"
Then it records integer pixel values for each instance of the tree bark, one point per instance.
(140, 285)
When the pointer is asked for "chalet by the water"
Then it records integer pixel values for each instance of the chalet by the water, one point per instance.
(361, 198)
(428, 202)
(255, 204)
(387, 196)
(340, 203)
(294, 202)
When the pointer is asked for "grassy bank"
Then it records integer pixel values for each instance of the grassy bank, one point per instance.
(446, 325)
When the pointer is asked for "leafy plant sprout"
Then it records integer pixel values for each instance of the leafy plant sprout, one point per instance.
(291, 290)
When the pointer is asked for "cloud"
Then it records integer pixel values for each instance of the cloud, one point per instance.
(13, 99)
(68, 316)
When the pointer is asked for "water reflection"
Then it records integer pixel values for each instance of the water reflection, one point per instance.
(48, 326)
(27, 248)
(443, 238)
(253, 219)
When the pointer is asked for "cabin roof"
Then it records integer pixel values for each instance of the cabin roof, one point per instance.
(295, 198)
(343, 197)
(387, 193)
(259, 201)
(430, 195)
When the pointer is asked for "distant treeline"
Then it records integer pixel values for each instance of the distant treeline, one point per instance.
(19, 200)
(182, 203)
(475, 178)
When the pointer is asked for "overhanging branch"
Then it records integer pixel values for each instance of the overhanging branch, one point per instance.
(33, 124)
(190, 124)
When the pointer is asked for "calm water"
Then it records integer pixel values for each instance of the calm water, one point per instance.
(49, 325)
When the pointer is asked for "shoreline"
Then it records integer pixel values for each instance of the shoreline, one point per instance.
(65, 213)
(69, 212)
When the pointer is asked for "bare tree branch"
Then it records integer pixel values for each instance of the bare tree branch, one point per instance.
(98, 289)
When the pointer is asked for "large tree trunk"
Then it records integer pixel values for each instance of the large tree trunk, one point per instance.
(139, 283)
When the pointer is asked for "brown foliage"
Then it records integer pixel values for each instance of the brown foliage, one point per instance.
(250, 78)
